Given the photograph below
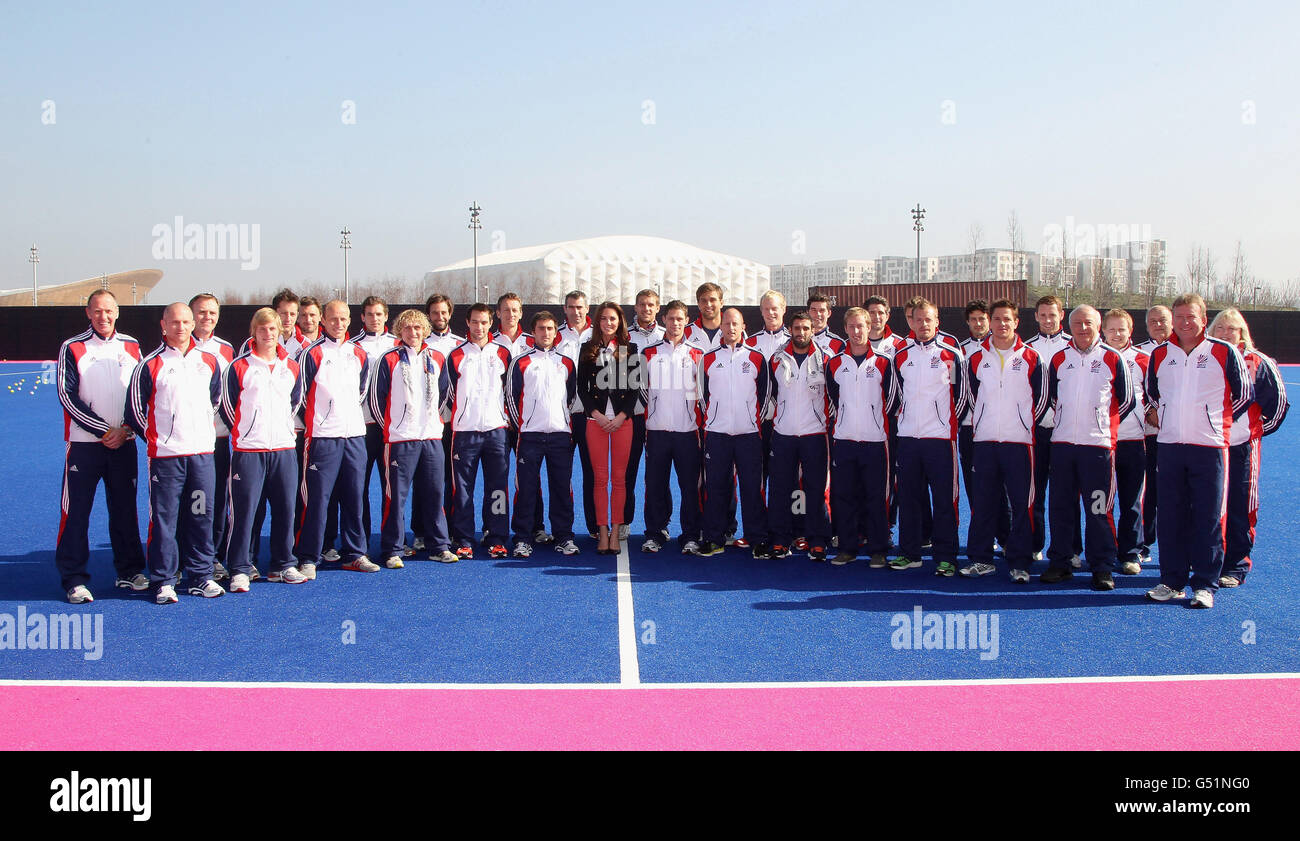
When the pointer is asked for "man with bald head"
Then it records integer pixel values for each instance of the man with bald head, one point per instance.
(1091, 391)
(171, 404)
(334, 377)
(1160, 326)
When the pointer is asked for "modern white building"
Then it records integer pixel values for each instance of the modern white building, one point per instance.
(1137, 256)
(793, 280)
(612, 268)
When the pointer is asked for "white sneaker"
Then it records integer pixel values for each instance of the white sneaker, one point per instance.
(690, 547)
(166, 595)
(1076, 562)
(330, 555)
(208, 589)
(522, 549)
(255, 575)
(1229, 581)
(239, 583)
(1162, 593)
(568, 547)
(977, 569)
(1038, 556)
(361, 564)
(308, 571)
(651, 545)
(446, 556)
(1203, 598)
(80, 595)
(219, 571)
(289, 575)
(137, 582)
(1020, 576)
(394, 562)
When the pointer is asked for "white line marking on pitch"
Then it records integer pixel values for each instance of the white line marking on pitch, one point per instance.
(859, 684)
(629, 669)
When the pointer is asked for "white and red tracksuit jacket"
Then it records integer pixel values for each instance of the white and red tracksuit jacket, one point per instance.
(260, 400)
(1268, 404)
(1047, 347)
(540, 387)
(224, 351)
(335, 377)
(1134, 426)
(94, 373)
(864, 395)
(409, 391)
(801, 403)
(478, 378)
(1008, 392)
(172, 399)
(375, 345)
(733, 381)
(931, 379)
(1197, 395)
(671, 392)
(1091, 393)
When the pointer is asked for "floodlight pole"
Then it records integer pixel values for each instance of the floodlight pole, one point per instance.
(34, 258)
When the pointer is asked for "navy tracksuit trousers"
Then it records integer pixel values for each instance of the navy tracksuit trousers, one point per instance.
(927, 474)
(417, 492)
(1193, 491)
(789, 454)
(1131, 479)
(412, 464)
(861, 486)
(1042, 473)
(1003, 476)
(220, 502)
(331, 464)
(1243, 505)
(87, 462)
(679, 451)
(725, 457)
(467, 450)
(966, 450)
(270, 476)
(180, 498)
(1087, 472)
(531, 450)
(1150, 497)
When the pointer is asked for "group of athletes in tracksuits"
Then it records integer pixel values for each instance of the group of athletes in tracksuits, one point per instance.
(824, 441)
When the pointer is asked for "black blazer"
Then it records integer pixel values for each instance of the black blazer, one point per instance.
(622, 388)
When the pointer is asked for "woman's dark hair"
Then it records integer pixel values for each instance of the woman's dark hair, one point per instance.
(591, 349)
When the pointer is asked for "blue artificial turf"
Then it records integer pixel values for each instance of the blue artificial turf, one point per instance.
(552, 619)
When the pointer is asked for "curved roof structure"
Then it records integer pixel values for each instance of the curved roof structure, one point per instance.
(605, 268)
(128, 287)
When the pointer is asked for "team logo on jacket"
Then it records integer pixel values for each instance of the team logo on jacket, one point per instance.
(1202, 360)
(1096, 366)
(744, 367)
(1070, 367)
(935, 362)
(1015, 364)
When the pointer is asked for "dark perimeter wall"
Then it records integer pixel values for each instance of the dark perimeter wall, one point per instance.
(37, 332)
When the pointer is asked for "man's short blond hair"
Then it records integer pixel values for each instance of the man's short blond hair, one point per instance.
(409, 317)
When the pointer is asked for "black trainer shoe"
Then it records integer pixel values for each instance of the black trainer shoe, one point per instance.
(1102, 581)
(708, 548)
(1055, 575)
(762, 552)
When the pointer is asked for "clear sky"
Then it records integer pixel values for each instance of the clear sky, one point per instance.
(738, 127)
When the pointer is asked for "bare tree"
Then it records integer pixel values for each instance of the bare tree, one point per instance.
(1016, 235)
(1152, 276)
(976, 237)
(1238, 281)
(1103, 283)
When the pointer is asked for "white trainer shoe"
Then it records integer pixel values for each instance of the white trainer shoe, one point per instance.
(361, 564)
(137, 582)
(239, 583)
(1020, 576)
(80, 595)
(308, 571)
(288, 575)
(651, 545)
(1163, 593)
(1203, 598)
(978, 569)
(219, 571)
(395, 562)
(330, 555)
(166, 595)
(208, 589)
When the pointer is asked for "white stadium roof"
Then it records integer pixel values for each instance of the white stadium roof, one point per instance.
(605, 268)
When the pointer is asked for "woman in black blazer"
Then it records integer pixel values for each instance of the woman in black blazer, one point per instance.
(608, 382)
